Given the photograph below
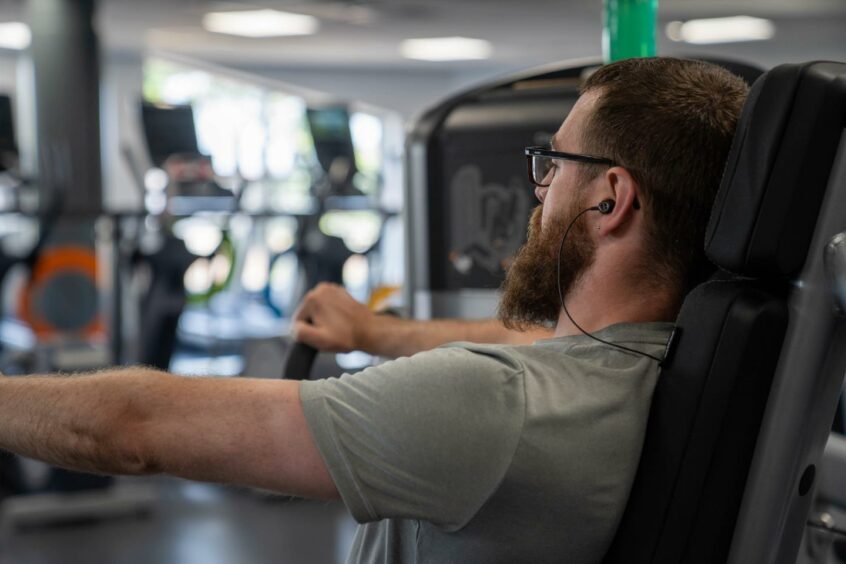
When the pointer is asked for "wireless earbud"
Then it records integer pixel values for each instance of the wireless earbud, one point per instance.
(605, 206)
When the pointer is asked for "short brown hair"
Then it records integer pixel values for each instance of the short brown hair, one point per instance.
(670, 122)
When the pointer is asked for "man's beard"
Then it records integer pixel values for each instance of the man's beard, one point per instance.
(530, 291)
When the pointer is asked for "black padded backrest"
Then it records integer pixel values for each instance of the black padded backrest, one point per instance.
(777, 170)
(702, 427)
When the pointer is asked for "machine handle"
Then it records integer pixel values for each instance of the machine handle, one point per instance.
(299, 362)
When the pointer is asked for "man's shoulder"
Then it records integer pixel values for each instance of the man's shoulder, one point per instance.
(541, 358)
(480, 354)
(457, 369)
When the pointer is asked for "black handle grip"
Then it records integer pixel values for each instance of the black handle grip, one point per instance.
(299, 362)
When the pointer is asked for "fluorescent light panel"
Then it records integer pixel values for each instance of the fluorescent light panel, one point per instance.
(14, 35)
(721, 30)
(260, 23)
(446, 49)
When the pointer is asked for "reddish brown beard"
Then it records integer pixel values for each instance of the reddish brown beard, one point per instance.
(530, 291)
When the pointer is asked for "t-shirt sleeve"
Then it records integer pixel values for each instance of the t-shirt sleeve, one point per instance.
(427, 437)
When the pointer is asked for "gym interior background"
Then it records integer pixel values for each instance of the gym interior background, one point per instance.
(230, 169)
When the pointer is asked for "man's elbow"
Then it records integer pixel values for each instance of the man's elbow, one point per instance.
(117, 450)
(139, 459)
(128, 446)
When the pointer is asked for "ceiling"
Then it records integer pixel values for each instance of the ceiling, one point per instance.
(366, 33)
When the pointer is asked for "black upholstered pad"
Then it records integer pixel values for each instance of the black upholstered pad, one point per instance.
(702, 427)
(775, 178)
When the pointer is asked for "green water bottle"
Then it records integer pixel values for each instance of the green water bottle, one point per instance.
(629, 29)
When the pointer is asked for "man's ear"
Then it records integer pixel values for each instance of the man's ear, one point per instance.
(623, 189)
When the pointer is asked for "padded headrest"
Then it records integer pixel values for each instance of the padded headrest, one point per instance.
(777, 170)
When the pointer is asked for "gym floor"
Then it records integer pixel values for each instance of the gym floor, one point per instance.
(192, 523)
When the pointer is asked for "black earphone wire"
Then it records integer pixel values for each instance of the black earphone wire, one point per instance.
(564, 306)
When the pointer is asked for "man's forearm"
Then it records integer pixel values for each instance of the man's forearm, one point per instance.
(81, 422)
(394, 337)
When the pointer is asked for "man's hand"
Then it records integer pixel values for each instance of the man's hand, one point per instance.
(329, 319)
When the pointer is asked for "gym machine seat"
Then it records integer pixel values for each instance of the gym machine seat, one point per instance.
(742, 409)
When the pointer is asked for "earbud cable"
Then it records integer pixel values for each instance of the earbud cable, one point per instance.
(573, 321)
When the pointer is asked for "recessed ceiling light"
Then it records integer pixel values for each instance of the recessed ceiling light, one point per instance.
(260, 23)
(721, 30)
(14, 35)
(446, 49)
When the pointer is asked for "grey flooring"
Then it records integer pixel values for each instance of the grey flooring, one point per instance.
(192, 523)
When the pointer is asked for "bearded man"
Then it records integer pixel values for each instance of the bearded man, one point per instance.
(469, 452)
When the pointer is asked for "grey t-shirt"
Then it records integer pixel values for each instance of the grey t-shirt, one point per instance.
(489, 453)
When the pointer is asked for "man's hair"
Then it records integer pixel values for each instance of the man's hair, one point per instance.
(670, 123)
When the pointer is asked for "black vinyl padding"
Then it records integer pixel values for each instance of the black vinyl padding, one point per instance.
(702, 427)
(777, 170)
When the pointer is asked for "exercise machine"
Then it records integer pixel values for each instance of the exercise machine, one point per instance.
(738, 440)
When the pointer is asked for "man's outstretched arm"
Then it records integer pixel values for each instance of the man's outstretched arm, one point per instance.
(330, 319)
(141, 421)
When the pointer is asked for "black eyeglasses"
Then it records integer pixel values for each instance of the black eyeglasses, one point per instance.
(539, 163)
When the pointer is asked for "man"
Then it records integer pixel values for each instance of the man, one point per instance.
(468, 453)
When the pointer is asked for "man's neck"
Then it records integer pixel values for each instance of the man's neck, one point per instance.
(605, 296)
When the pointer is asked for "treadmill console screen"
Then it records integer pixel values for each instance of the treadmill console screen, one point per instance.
(330, 129)
(169, 131)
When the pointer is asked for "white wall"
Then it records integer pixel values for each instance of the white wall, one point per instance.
(401, 90)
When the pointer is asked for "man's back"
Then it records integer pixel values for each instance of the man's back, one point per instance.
(474, 453)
